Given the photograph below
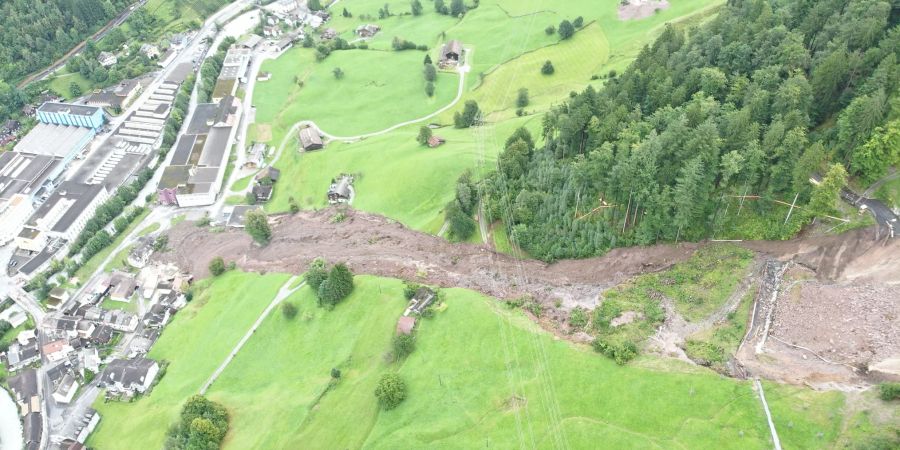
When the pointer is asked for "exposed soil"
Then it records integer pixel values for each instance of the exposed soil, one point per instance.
(640, 9)
(376, 245)
(839, 301)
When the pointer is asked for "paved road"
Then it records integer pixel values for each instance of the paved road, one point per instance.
(283, 293)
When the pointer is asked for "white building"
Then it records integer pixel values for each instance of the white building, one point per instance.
(63, 215)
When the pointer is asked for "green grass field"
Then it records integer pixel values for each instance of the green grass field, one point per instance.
(481, 375)
(395, 176)
(379, 89)
(382, 87)
(195, 343)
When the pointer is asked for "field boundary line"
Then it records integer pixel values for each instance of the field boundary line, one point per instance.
(762, 398)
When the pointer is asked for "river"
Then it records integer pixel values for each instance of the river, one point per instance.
(10, 426)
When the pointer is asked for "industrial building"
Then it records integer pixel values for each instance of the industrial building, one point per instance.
(73, 115)
(233, 73)
(196, 172)
(24, 181)
(62, 216)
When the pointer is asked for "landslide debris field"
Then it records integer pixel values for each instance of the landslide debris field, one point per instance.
(821, 329)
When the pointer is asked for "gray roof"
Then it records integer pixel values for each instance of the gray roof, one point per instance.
(453, 46)
(32, 427)
(216, 148)
(180, 72)
(204, 175)
(76, 110)
(239, 214)
(310, 137)
(80, 195)
(52, 140)
(128, 372)
(202, 119)
(25, 384)
(22, 173)
(250, 41)
(183, 150)
(174, 176)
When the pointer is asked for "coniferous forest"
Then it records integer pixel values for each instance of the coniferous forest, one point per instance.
(753, 102)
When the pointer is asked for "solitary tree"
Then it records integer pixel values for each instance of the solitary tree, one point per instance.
(468, 117)
(424, 135)
(566, 29)
(430, 72)
(316, 273)
(550, 30)
(257, 225)
(338, 73)
(522, 99)
(547, 68)
(415, 7)
(217, 266)
(457, 7)
(391, 391)
(440, 7)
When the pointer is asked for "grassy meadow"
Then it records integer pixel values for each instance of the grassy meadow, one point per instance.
(481, 375)
(406, 181)
(381, 88)
(195, 343)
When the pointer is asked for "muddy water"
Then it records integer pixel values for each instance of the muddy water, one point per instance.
(10, 427)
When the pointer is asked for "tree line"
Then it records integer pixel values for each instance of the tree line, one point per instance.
(753, 102)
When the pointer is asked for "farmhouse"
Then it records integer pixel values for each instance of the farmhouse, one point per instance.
(129, 376)
(450, 54)
(341, 190)
(423, 297)
(107, 59)
(122, 286)
(367, 31)
(310, 139)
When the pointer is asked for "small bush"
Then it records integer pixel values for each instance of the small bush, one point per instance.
(619, 351)
(217, 266)
(547, 68)
(403, 345)
(578, 318)
(889, 391)
(289, 310)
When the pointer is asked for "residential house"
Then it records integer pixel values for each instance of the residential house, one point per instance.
(15, 315)
(269, 175)
(21, 354)
(262, 192)
(341, 190)
(450, 54)
(65, 392)
(329, 33)
(158, 316)
(57, 297)
(57, 350)
(150, 51)
(107, 59)
(271, 31)
(120, 320)
(421, 299)
(239, 214)
(310, 139)
(140, 254)
(123, 286)
(32, 429)
(257, 155)
(129, 376)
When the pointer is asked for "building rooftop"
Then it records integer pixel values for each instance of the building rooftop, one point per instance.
(239, 214)
(68, 108)
(52, 140)
(215, 150)
(180, 72)
(64, 206)
(23, 173)
(128, 372)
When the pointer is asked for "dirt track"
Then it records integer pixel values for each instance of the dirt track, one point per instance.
(375, 245)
